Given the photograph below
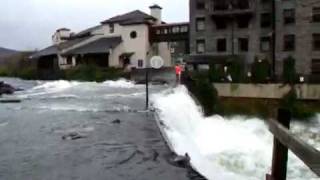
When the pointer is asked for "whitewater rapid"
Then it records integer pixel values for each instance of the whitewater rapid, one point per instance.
(237, 148)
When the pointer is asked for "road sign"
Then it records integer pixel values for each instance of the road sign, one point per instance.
(156, 62)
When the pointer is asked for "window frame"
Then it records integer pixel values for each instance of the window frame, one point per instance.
(222, 41)
(240, 44)
(266, 39)
(286, 42)
(263, 20)
(111, 28)
(198, 43)
(289, 16)
(199, 20)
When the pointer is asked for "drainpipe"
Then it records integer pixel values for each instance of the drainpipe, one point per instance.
(274, 39)
(232, 35)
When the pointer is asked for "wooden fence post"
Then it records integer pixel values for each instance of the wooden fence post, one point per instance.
(280, 152)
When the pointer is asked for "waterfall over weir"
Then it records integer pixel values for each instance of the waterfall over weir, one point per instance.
(225, 149)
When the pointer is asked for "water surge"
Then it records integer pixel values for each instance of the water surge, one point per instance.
(224, 149)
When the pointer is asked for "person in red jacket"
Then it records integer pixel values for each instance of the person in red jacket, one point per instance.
(178, 70)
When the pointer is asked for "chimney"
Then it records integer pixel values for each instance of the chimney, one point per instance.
(61, 35)
(156, 12)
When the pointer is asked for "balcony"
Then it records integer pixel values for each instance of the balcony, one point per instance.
(231, 8)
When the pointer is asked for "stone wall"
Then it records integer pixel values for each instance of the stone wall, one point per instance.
(267, 91)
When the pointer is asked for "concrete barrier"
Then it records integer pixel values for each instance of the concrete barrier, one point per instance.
(155, 75)
(267, 91)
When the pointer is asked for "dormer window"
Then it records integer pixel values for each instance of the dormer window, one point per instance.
(111, 28)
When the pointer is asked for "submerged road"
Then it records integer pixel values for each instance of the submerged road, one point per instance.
(36, 135)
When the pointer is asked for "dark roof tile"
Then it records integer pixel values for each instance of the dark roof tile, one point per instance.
(134, 17)
(101, 45)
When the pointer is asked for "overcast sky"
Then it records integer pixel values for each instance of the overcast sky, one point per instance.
(29, 24)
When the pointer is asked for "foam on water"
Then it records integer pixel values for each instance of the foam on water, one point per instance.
(56, 85)
(220, 148)
(121, 83)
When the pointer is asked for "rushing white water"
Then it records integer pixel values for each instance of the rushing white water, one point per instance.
(225, 149)
(122, 83)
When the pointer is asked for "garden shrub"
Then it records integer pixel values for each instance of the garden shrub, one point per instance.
(260, 70)
(289, 70)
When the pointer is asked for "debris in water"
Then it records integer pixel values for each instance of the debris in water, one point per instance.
(5, 101)
(73, 136)
(155, 155)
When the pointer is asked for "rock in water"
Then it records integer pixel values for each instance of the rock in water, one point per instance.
(6, 88)
(117, 121)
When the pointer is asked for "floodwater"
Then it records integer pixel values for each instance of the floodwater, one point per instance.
(32, 147)
(36, 135)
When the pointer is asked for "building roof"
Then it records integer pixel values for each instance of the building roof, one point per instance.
(87, 32)
(55, 49)
(101, 45)
(134, 17)
(64, 29)
(155, 6)
(49, 51)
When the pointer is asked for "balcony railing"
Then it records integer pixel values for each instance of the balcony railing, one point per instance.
(231, 7)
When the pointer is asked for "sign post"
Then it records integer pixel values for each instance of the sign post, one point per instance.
(156, 62)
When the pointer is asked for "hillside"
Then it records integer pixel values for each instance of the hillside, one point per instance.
(7, 52)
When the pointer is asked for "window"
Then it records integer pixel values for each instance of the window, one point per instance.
(289, 16)
(242, 4)
(221, 5)
(201, 5)
(265, 44)
(111, 28)
(201, 46)
(316, 42)
(184, 29)
(176, 29)
(289, 42)
(315, 66)
(221, 24)
(133, 35)
(243, 21)
(221, 45)
(69, 60)
(266, 20)
(200, 24)
(140, 63)
(244, 44)
(316, 14)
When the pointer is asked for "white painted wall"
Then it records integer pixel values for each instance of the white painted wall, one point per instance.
(139, 45)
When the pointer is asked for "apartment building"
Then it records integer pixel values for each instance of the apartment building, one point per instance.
(263, 29)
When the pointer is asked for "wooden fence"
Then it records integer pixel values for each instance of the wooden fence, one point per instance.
(284, 140)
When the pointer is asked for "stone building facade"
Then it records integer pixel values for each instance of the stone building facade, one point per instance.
(263, 29)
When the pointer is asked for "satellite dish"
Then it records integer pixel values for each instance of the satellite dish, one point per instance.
(156, 62)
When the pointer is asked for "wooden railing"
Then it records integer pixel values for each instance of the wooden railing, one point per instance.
(284, 140)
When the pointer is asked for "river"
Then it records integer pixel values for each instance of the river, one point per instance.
(32, 147)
